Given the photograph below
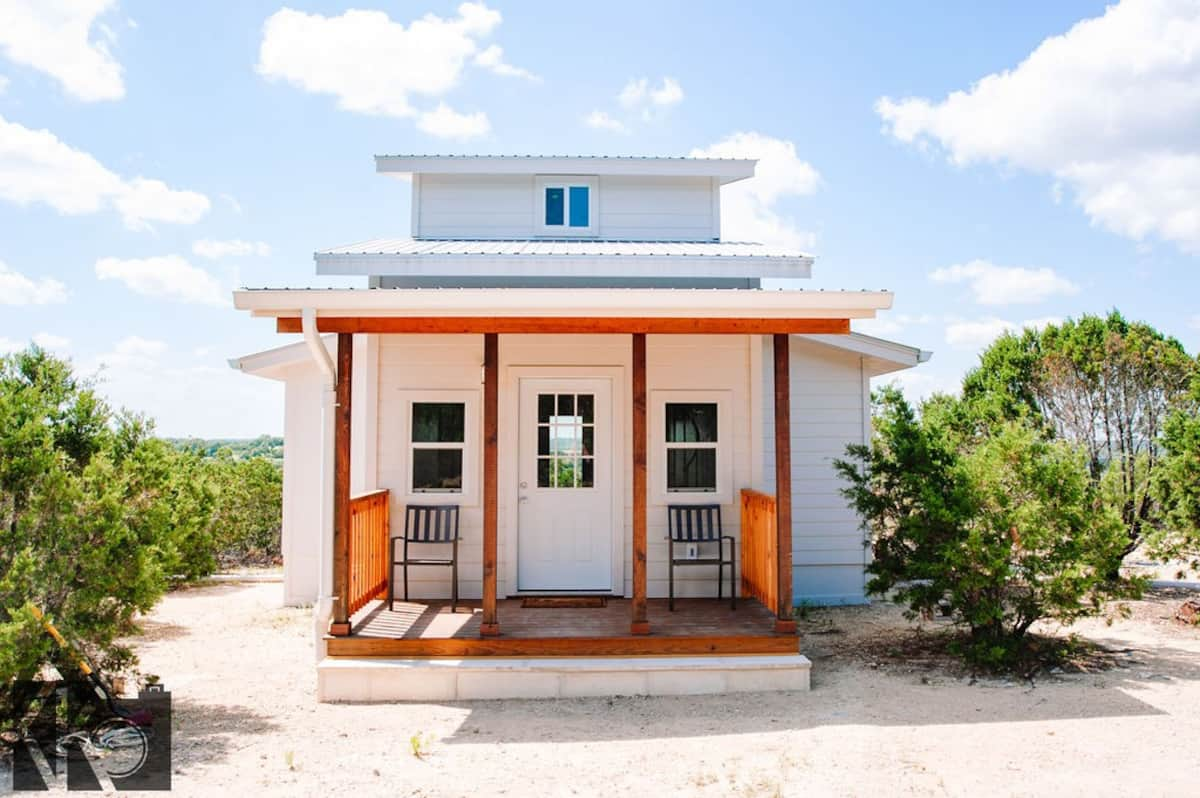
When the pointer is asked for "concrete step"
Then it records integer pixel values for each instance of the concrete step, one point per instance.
(345, 679)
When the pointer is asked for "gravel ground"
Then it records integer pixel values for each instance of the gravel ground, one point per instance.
(881, 719)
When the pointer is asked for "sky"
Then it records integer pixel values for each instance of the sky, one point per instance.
(995, 165)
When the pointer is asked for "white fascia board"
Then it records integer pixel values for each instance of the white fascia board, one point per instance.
(881, 356)
(727, 170)
(565, 302)
(699, 266)
(274, 364)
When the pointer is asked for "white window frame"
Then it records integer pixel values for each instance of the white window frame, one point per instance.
(659, 400)
(469, 494)
(565, 182)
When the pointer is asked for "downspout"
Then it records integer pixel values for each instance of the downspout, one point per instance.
(323, 607)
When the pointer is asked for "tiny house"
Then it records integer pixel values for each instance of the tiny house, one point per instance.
(567, 367)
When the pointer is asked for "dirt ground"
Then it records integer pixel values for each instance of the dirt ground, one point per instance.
(880, 720)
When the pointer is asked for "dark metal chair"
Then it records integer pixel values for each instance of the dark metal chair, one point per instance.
(698, 523)
(426, 524)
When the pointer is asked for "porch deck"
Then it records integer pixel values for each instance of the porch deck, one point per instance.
(428, 629)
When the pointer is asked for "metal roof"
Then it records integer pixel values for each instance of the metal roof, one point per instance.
(726, 170)
(583, 257)
(554, 248)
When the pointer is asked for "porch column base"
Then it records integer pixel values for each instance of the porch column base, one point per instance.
(340, 629)
(489, 630)
(639, 628)
(783, 627)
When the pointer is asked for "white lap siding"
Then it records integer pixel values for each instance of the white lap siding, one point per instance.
(829, 410)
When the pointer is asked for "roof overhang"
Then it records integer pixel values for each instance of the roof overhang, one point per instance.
(726, 170)
(879, 356)
(587, 258)
(550, 310)
(276, 363)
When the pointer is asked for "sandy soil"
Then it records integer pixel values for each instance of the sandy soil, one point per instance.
(880, 720)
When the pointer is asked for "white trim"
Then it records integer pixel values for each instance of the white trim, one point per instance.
(568, 303)
(566, 183)
(657, 446)
(415, 222)
(727, 170)
(471, 445)
(879, 356)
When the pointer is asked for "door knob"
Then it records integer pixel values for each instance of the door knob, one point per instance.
(524, 484)
(522, 498)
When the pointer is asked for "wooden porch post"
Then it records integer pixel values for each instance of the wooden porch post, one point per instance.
(784, 621)
(340, 624)
(639, 624)
(490, 623)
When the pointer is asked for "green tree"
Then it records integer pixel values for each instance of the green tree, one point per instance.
(95, 516)
(1105, 384)
(1177, 488)
(999, 529)
(247, 520)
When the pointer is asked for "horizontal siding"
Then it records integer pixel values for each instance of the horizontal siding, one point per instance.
(506, 206)
(827, 414)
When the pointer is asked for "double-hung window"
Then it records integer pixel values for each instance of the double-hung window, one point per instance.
(566, 206)
(692, 435)
(438, 440)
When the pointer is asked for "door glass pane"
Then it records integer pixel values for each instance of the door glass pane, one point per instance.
(692, 470)
(438, 422)
(565, 439)
(543, 439)
(586, 407)
(566, 404)
(566, 472)
(437, 470)
(579, 206)
(554, 206)
(589, 441)
(691, 422)
(587, 477)
(544, 464)
(545, 407)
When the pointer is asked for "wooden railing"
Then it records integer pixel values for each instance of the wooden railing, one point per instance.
(760, 549)
(368, 558)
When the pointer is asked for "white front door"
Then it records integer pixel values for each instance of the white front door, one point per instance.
(565, 479)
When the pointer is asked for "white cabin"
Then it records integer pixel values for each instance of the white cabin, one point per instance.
(562, 349)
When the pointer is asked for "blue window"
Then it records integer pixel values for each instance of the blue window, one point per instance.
(579, 206)
(555, 202)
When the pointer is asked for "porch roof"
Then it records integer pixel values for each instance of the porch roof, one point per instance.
(573, 303)
(539, 257)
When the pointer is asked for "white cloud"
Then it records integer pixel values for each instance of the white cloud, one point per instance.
(35, 166)
(889, 324)
(17, 289)
(1005, 285)
(209, 248)
(132, 353)
(373, 65)
(601, 120)
(168, 276)
(493, 58)
(748, 207)
(642, 96)
(444, 122)
(54, 343)
(1111, 109)
(55, 37)
(978, 333)
(918, 384)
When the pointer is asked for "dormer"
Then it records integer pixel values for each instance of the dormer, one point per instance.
(555, 221)
(526, 197)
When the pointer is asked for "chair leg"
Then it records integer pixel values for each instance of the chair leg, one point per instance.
(671, 576)
(721, 577)
(391, 575)
(454, 579)
(406, 569)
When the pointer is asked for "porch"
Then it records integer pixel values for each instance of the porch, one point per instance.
(533, 628)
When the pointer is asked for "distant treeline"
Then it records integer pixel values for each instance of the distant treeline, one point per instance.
(267, 446)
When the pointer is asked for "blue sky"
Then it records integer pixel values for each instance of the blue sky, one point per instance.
(155, 155)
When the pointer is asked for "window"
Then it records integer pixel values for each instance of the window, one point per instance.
(438, 440)
(566, 440)
(691, 437)
(567, 205)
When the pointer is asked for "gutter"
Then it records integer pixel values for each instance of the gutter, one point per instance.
(323, 607)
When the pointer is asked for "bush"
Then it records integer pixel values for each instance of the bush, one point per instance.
(999, 529)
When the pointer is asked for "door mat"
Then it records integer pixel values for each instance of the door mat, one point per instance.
(564, 602)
